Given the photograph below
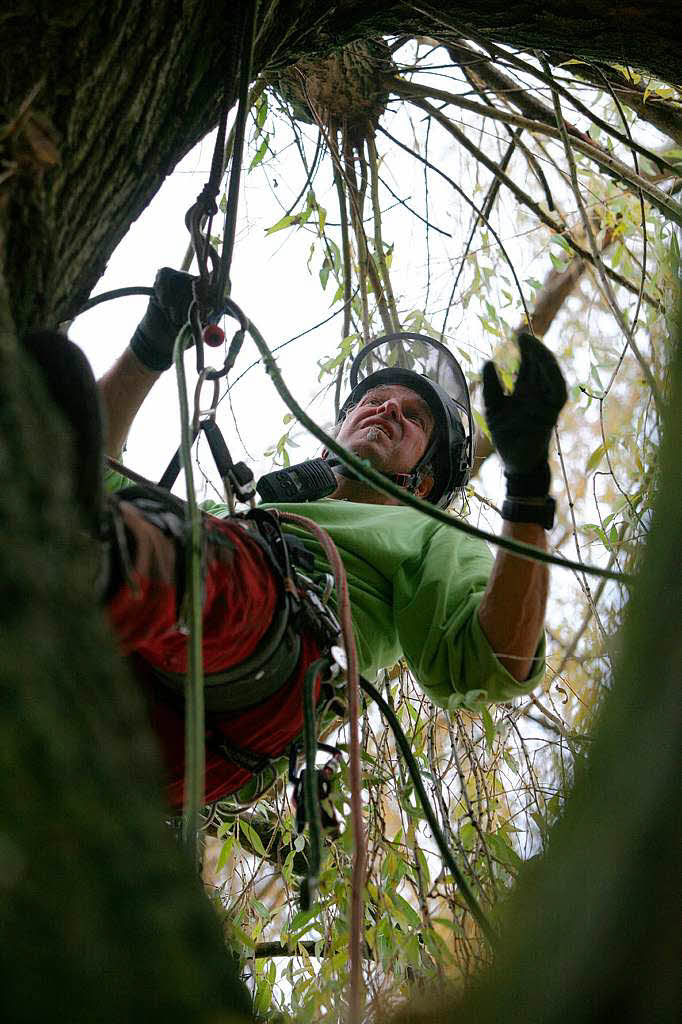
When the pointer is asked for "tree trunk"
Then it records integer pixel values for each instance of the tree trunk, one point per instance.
(100, 916)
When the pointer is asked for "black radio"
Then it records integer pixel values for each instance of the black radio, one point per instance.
(306, 481)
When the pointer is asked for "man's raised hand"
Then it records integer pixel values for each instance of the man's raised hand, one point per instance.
(155, 335)
(521, 423)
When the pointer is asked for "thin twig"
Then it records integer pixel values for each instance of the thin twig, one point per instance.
(471, 203)
(608, 291)
(668, 206)
(556, 226)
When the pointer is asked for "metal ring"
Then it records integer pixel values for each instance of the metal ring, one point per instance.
(204, 414)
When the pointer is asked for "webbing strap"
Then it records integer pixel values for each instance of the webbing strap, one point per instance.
(252, 681)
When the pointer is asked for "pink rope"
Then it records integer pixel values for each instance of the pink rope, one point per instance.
(357, 824)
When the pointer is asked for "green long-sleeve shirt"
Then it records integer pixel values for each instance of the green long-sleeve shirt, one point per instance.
(415, 586)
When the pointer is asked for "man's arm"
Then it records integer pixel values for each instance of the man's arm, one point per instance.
(122, 391)
(512, 610)
(125, 386)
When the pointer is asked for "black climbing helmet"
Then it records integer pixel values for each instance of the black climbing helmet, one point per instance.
(430, 369)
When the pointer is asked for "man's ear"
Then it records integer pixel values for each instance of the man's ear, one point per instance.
(424, 486)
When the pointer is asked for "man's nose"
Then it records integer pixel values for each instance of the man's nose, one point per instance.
(391, 408)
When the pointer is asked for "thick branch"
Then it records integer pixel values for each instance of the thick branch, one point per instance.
(652, 108)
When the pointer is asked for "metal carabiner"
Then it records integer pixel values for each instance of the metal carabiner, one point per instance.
(205, 414)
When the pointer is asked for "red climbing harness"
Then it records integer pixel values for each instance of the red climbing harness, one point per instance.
(254, 658)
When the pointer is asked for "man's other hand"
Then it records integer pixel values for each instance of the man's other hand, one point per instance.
(521, 423)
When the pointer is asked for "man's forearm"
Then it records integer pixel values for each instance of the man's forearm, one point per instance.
(122, 391)
(512, 611)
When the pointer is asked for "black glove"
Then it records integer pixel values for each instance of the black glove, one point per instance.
(155, 335)
(521, 423)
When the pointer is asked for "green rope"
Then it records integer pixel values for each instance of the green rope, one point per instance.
(386, 486)
(430, 814)
(310, 795)
(194, 695)
(115, 293)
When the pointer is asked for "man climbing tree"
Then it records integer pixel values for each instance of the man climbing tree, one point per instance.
(99, 103)
(418, 588)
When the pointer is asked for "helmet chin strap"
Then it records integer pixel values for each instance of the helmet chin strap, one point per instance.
(410, 481)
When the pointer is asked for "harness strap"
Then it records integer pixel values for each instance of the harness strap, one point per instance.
(252, 681)
(244, 758)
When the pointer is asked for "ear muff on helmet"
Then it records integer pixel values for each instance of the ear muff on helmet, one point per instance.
(398, 359)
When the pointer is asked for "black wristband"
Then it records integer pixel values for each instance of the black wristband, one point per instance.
(529, 485)
(529, 510)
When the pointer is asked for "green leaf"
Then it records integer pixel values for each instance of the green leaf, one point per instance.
(404, 909)
(262, 111)
(263, 997)
(491, 311)
(236, 932)
(437, 946)
(225, 853)
(252, 837)
(261, 909)
(339, 960)
(260, 153)
(322, 215)
(487, 326)
(561, 241)
(467, 836)
(488, 728)
(539, 821)
(302, 919)
(285, 222)
(410, 952)
(595, 458)
(424, 865)
(481, 423)
(498, 845)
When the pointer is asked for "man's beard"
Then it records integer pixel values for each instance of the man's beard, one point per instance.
(374, 432)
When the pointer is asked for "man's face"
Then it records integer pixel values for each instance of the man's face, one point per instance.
(390, 426)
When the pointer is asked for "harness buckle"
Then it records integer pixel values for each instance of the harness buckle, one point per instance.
(325, 778)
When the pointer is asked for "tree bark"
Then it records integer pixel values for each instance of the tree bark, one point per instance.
(100, 914)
